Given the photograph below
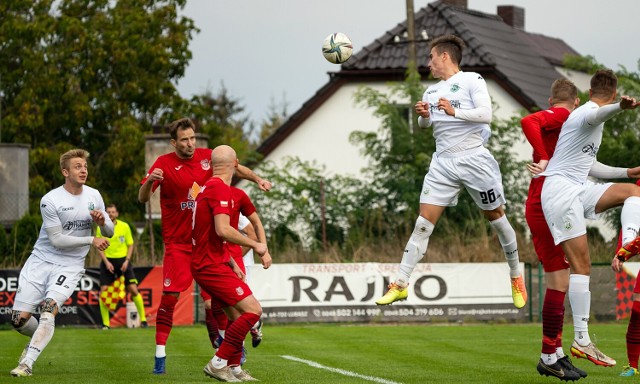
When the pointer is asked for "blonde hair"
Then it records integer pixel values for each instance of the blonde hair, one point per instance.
(72, 154)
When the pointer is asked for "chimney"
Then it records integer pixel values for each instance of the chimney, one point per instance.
(461, 4)
(512, 15)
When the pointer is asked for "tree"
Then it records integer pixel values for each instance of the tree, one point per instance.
(222, 118)
(94, 74)
(276, 116)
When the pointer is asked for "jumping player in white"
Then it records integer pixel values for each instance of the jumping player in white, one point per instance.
(51, 273)
(459, 109)
(568, 198)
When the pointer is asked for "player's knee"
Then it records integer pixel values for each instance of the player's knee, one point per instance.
(18, 320)
(49, 305)
(422, 229)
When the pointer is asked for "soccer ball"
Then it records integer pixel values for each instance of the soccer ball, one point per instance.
(337, 48)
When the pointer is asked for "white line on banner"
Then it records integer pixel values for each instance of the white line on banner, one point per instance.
(340, 371)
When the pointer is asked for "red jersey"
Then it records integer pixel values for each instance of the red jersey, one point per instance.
(240, 203)
(208, 247)
(182, 181)
(542, 130)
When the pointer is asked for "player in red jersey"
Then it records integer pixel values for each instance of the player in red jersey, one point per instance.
(633, 329)
(215, 270)
(542, 129)
(180, 175)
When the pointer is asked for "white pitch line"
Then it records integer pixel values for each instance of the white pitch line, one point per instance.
(340, 371)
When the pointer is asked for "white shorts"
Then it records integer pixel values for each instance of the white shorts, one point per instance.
(40, 279)
(566, 205)
(476, 170)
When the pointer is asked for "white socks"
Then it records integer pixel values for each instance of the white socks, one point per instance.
(415, 249)
(161, 350)
(29, 328)
(507, 238)
(580, 299)
(630, 219)
(40, 338)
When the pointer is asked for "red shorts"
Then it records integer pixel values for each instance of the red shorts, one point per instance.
(222, 284)
(176, 270)
(550, 255)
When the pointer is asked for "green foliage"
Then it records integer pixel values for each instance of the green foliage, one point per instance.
(23, 236)
(296, 203)
(4, 249)
(144, 244)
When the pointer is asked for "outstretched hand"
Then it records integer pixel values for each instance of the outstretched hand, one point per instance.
(627, 102)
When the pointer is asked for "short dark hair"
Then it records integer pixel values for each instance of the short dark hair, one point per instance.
(111, 206)
(182, 124)
(603, 83)
(451, 44)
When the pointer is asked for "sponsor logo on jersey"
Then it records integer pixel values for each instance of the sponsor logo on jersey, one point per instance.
(590, 149)
(64, 209)
(178, 167)
(43, 205)
(77, 225)
(433, 91)
(205, 164)
(455, 87)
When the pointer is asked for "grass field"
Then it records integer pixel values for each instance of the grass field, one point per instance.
(389, 354)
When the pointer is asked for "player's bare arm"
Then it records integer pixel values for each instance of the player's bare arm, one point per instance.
(254, 218)
(144, 194)
(232, 235)
(236, 269)
(247, 174)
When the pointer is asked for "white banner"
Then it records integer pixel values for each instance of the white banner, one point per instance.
(347, 292)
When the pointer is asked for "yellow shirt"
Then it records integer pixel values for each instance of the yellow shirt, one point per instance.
(119, 243)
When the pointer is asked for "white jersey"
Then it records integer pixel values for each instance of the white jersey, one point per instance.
(464, 90)
(71, 212)
(577, 146)
(248, 257)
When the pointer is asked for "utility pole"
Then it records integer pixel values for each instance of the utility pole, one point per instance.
(411, 36)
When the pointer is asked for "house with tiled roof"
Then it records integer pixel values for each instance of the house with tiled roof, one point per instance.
(518, 66)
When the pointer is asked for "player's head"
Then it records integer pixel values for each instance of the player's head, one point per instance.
(604, 84)
(564, 92)
(223, 160)
(445, 52)
(112, 211)
(183, 137)
(73, 165)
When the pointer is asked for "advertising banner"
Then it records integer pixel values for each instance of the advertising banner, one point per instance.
(82, 308)
(347, 292)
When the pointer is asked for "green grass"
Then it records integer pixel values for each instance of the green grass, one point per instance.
(481, 353)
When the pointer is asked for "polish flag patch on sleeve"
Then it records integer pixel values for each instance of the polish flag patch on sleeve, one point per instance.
(224, 203)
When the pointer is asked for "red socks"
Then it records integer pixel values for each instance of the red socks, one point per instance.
(633, 335)
(552, 318)
(164, 319)
(234, 336)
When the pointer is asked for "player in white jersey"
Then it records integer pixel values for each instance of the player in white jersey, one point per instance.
(568, 198)
(51, 273)
(459, 109)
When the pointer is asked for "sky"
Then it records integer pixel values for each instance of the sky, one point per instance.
(268, 52)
